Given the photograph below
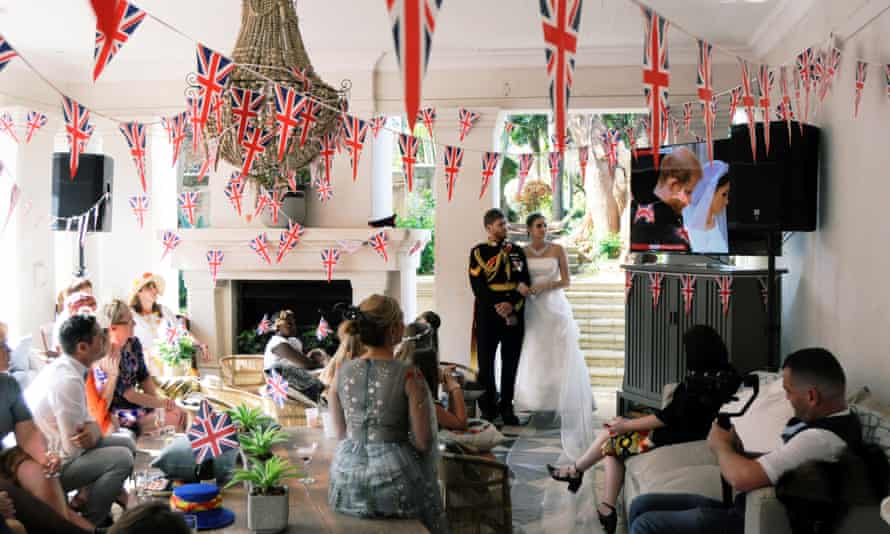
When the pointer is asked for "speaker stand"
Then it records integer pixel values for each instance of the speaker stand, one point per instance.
(81, 270)
(773, 319)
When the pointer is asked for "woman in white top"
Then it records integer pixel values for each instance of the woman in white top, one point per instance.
(284, 356)
(705, 216)
(151, 317)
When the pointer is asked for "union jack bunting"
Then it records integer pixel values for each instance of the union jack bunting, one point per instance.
(176, 132)
(525, 165)
(785, 105)
(77, 129)
(307, 116)
(415, 247)
(289, 240)
(706, 93)
(428, 117)
(832, 62)
(7, 124)
(328, 144)
(274, 204)
(324, 190)
(628, 284)
(656, 75)
(262, 199)
(211, 157)
(246, 106)
(655, 280)
(194, 105)
(216, 107)
(265, 325)
(645, 213)
(554, 161)
(139, 205)
(127, 18)
(376, 124)
(562, 26)
(508, 127)
(260, 245)
(765, 78)
(724, 291)
(214, 261)
(489, 165)
(687, 288)
(675, 127)
(804, 64)
(631, 138)
(134, 133)
(214, 70)
(304, 76)
(378, 242)
(234, 192)
(35, 121)
(466, 118)
(413, 25)
(323, 330)
(276, 388)
(6, 53)
(188, 202)
(212, 433)
(255, 144)
(408, 146)
(292, 180)
(797, 106)
(454, 158)
(170, 240)
(817, 70)
(353, 135)
(611, 137)
(583, 155)
(288, 104)
(735, 96)
(861, 74)
(687, 117)
(329, 259)
(748, 102)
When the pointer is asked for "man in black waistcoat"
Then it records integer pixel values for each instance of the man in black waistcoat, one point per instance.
(820, 431)
(500, 280)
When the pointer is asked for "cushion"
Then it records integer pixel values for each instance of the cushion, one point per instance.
(760, 429)
(19, 358)
(480, 436)
(178, 463)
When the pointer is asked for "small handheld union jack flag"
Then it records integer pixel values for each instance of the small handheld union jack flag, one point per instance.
(265, 325)
(861, 74)
(188, 202)
(324, 190)
(172, 332)
(170, 240)
(454, 158)
(139, 205)
(489, 165)
(378, 242)
(214, 262)
(260, 245)
(276, 387)
(562, 26)
(687, 282)
(706, 92)
(127, 18)
(655, 285)
(36, 121)
(7, 124)
(656, 75)
(253, 145)
(288, 103)
(77, 129)
(525, 165)
(428, 116)
(6, 53)
(376, 124)
(134, 133)
(329, 259)
(724, 291)
(765, 79)
(352, 135)
(328, 144)
(408, 145)
(748, 102)
(214, 70)
(246, 106)
(466, 118)
(554, 160)
(645, 213)
(611, 138)
(289, 239)
(212, 433)
(323, 330)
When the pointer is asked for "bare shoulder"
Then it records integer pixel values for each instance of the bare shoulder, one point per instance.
(556, 250)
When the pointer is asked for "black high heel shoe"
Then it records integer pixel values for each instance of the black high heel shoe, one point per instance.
(610, 521)
(574, 481)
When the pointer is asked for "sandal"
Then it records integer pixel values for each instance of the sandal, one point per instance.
(608, 521)
(573, 480)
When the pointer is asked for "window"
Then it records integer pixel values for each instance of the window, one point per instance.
(189, 164)
(418, 208)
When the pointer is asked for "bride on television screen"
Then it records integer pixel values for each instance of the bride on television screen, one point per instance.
(705, 216)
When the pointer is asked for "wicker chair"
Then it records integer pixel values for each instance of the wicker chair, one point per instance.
(476, 492)
(242, 370)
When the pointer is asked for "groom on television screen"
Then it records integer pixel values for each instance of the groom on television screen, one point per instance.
(499, 278)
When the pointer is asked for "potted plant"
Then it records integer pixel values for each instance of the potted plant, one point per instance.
(178, 355)
(267, 498)
(610, 246)
(257, 444)
(248, 418)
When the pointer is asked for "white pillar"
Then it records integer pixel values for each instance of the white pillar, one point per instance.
(161, 178)
(381, 187)
(408, 284)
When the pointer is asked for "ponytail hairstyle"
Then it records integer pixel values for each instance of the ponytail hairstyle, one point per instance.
(374, 320)
(286, 320)
(417, 349)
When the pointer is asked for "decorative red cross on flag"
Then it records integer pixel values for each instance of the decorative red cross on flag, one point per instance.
(214, 70)
(170, 240)
(832, 59)
(188, 202)
(748, 102)
(376, 124)
(255, 144)
(265, 325)
(274, 204)
(489, 165)
(276, 387)
(125, 19)
(211, 433)
(631, 138)
(328, 143)
(307, 116)
(211, 157)
(134, 133)
(687, 288)
(175, 127)
(35, 121)
(378, 242)
(645, 213)
(324, 190)
(194, 105)
(861, 74)
(171, 332)
(214, 261)
(291, 177)
(7, 124)
(804, 64)
(785, 105)
(262, 200)
(655, 280)
(554, 161)
(583, 155)
(408, 146)
(724, 291)
(765, 78)
(289, 240)
(525, 165)
(454, 158)
(628, 284)
(562, 25)
(735, 96)
(705, 88)
(466, 118)
(304, 76)
(6, 53)
(288, 104)
(260, 245)
(139, 205)
(216, 107)
(234, 191)
(77, 129)
(413, 26)
(428, 117)
(329, 259)
(656, 75)
(611, 137)
(246, 106)
(353, 134)
(687, 117)
(674, 125)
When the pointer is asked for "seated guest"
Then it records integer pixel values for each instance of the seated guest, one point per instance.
(385, 465)
(350, 347)
(77, 302)
(820, 431)
(57, 400)
(150, 518)
(77, 285)
(431, 318)
(284, 355)
(28, 464)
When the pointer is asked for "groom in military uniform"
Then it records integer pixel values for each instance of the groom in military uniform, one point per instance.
(500, 280)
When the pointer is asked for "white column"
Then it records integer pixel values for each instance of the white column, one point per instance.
(202, 309)
(381, 187)
(408, 284)
(161, 178)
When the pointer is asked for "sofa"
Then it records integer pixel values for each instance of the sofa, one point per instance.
(692, 467)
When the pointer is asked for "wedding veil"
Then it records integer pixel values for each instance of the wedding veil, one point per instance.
(695, 215)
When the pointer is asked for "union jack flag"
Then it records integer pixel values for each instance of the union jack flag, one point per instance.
(212, 433)
(817, 70)
(415, 247)
(188, 202)
(489, 165)
(7, 124)
(413, 26)
(655, 285)
(214, 261)
(304, 76)
(214, 70)
(36, 121)
(175, 127)
(7, 53)
(194, 118)
(127, 18)
(554, 160)
(454, 158)
(611, 137)
(645, 213)
(861, 74)
(748, 102)
(656, 75)
(77, 129)
(246, 106)
(408, 146)
(276, 387)
(170, 240)
(329, 259)
(324, 190)
(687, 283)
(262, 199)
(260, 245)
(292, 180)
(288, 104)
(171, 332)
(508, 127)
(265, 325)
(254, 145)
(307, 116)
(134, 133)
(628, 284)
(289, 239)
(724, 291)
(323, 330)
(378, 241)
(797, 106)
(353, 135)
(765, 78)
(735, 96)
(139, 205)
(832, 59)
(466, 118)
(377, 123)
(583, 156)
(428, 117)
(525, 165)
(216, 107)
(234, 191)
(785, 106)
(675, 126)
(631, 138)
(804, 64)
(211, 157)
(328, 144)
(274, 204)
(706, 92)
(562, 25)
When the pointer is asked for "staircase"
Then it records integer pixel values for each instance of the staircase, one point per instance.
(598, 305)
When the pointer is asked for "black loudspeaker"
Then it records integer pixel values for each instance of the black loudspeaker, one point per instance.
(71, 198)
(778, 191)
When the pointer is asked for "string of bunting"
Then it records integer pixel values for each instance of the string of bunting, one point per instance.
(723, 285)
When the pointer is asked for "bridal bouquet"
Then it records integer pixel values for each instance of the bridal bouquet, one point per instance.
(533, 194)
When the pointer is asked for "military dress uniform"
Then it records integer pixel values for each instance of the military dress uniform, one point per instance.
(496, 270)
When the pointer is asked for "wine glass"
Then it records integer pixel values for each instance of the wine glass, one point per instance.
(305, 454)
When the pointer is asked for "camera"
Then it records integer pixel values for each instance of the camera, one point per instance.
(713, 388)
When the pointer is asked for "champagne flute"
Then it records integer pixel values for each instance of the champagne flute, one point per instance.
(305, 454)
(54, 452)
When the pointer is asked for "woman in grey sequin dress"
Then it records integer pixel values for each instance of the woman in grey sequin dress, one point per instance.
(385, 465)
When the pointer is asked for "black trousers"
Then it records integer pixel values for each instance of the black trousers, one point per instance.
(491, 331)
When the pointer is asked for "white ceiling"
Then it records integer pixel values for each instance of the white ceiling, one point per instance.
(57, 35)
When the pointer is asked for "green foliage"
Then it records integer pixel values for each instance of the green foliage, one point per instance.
(257, 444)
(249, 342)
(530, 130)
(610, 246)
(310, 341)
(421, 214)
(248, 418)
(179, 352)
(265, 477)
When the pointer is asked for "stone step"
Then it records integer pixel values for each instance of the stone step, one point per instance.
(601, 342)
(584, 284)
(606, 376)
(599, 328)
(594, 311)
(584, 296)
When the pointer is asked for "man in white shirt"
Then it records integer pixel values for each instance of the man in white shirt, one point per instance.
(57, 400)
(821, 430)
